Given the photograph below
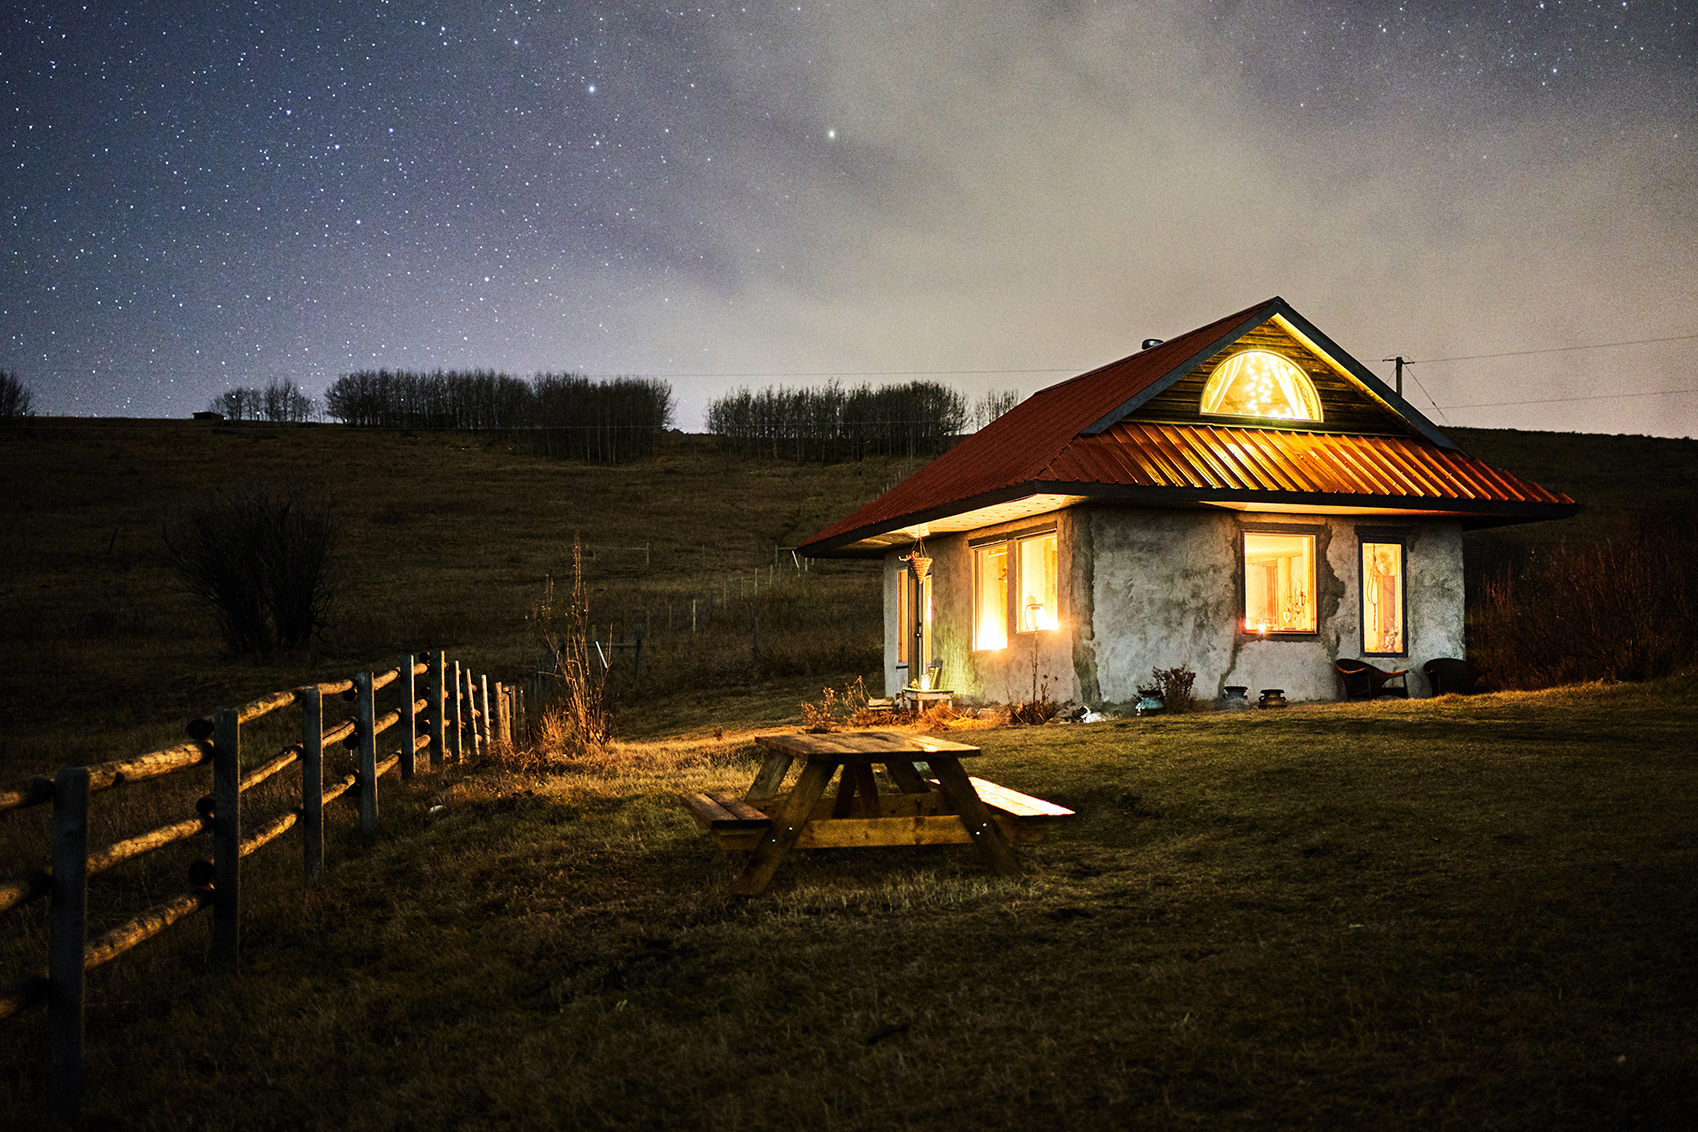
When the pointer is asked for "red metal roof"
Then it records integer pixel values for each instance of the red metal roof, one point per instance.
(1214, 458)
(1070, 439)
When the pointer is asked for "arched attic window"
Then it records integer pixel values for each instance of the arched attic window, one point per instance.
(1257, 383)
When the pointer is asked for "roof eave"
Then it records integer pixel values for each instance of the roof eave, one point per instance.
(1474, 513)
(1254, 319)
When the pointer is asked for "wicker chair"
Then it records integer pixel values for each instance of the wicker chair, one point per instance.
(1448, 674)
(1363, 681)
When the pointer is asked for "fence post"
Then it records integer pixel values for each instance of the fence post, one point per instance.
(411, 731)
(67, 935)
(459, 716)
(226, 835)
(520, 723)
(488, 720)
(366, 701)
(437, 690)
(469, 690)
(312, 784)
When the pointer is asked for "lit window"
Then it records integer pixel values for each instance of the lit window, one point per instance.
(1382, 597)
(1256, 383)
(990, 596)
(1037, 583)
(1015, 583)
(904, 613)
(1279, 583)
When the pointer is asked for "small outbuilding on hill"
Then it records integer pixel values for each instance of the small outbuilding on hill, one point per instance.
(1246, 500)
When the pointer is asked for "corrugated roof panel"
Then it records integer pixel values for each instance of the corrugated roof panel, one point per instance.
(1074, 438)
(1305, 462)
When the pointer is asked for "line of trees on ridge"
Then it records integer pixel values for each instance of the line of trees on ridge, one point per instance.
(565, 415)
(829, 422)
(280, 401)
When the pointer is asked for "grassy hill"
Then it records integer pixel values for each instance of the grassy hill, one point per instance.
(1477, 913)
(447, 541)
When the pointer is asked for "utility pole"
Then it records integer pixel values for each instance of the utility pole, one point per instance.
(1400, 364)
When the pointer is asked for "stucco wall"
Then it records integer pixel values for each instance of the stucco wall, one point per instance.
(1145, 589)
(1002, 675)
(1167, 589)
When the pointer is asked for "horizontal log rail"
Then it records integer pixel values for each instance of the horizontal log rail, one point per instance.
(22, 995)
(24, 887)
(336, 790)
(284, 759)
(128, 850)
(144, 927)
(33, 791)
(456, 717)
(271, 831)
(38, 789)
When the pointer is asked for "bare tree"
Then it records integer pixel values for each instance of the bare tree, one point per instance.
(992, 405)
(14, 397)
(284, 401)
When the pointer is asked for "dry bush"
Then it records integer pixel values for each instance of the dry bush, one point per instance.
(1616, 607)
(848, 708)
(1174, 685)
(259, 557)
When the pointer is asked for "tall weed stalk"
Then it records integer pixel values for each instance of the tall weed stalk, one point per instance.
(576, 722)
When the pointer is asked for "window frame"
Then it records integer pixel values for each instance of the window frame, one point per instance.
(1312, 531)
(1399, 536)
(1010, 544)
(905, 619)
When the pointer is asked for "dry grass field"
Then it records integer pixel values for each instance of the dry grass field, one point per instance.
(1449, 913)
(446, 541)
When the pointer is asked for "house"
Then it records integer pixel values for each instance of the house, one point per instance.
(1246, 500)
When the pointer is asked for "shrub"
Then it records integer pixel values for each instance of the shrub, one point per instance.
(1618, 606)
(260, 559)
(1173, 686)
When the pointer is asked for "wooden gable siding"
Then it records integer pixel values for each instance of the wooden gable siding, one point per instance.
(1344, 407)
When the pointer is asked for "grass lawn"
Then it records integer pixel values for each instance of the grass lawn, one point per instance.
(1475, 913)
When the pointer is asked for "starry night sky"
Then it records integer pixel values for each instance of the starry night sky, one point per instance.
(207, 195)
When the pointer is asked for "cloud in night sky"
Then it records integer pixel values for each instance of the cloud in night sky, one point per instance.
(222, 196)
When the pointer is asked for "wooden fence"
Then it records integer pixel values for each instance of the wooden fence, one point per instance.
(456, 718)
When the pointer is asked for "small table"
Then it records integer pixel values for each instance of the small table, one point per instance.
(959, 810)
(918, 698)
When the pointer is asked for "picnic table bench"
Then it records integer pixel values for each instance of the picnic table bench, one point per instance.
(936, 802)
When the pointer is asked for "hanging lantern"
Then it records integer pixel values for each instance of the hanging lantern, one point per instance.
(918, 560)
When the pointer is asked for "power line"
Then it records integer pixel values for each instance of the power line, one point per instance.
(1550, 350)
(882, 373)
(1596, 397)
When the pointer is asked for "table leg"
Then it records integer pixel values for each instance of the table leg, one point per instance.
(965, 801)
(845, 795)
(866, 788)
(769, 779)
(786, 827)
(907, 779)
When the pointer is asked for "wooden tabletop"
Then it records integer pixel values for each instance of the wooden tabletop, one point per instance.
(864, 746)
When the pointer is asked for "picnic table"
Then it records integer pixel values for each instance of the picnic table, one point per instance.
(935, 802)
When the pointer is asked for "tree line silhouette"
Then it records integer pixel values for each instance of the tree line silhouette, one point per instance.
(565, 415)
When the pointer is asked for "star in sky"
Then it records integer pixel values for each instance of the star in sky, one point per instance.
(202, 196)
